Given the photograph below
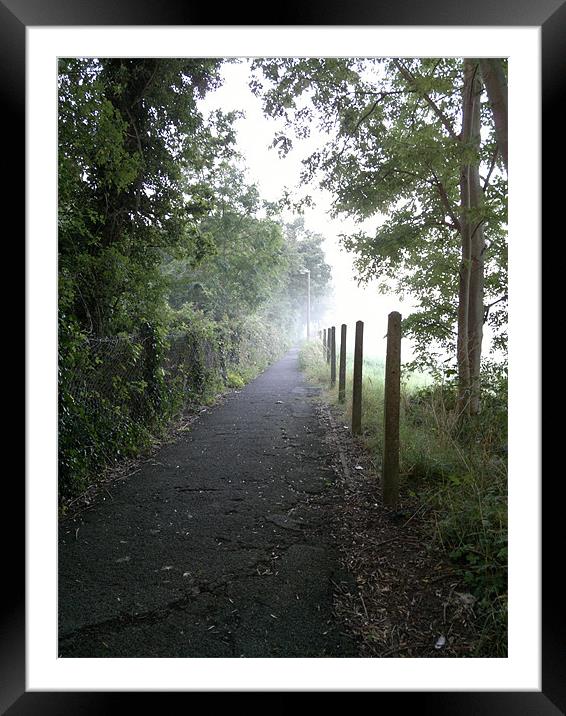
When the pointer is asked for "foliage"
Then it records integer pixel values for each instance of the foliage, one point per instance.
(247, 259)
(259, 344)
(134, 151)
(111, 395)
(257, 262)
(117, 395)
(304, 253)
(150, 209)
(393, 149)
(461, 478)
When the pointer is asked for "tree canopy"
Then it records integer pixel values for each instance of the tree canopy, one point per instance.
(155, 210)
(134, 154)
(397, 146)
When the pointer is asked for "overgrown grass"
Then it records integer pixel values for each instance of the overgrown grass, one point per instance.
(458, 473)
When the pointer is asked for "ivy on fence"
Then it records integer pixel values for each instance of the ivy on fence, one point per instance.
(116, 394)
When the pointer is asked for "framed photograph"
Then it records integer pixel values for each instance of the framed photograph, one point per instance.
(35, 677)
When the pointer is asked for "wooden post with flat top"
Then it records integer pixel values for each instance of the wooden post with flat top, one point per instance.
(333, 356)
(342, 366)
(392, 406)
(357, 379)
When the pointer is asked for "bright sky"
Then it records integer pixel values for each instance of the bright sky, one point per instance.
(255, 134)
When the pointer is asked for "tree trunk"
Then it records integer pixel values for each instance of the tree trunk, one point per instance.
(471, 280)
(465, 264)
(496, 87)
(477, 246)
(463, 307)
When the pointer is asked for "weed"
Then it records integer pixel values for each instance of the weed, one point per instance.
(458, 470)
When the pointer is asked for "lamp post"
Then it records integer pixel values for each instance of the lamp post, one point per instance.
(308, 273)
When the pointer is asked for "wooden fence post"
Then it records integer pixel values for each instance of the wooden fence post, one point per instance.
(342, 366)
(357, 379)
(333, 356)
(392, 405)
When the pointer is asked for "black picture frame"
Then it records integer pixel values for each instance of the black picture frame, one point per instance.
(15, 16)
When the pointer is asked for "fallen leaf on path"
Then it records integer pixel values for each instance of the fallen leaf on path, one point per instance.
(440, 642)
(466, 598)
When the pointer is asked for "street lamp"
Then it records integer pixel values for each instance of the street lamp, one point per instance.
(308, 273)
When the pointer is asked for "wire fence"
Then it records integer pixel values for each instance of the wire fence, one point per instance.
(112, 363)
(115, 392)
(186, 352)
(121, 370)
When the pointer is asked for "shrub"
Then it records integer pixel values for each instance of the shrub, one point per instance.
(117, 394)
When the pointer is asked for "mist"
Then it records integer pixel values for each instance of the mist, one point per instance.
(348, 302)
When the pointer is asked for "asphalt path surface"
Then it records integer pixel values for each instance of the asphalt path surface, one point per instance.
(222, 545)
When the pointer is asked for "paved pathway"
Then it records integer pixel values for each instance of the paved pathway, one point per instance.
(221, 546)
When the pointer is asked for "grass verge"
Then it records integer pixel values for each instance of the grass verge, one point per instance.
(458, 474)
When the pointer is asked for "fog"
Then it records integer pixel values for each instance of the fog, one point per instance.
(273, 175)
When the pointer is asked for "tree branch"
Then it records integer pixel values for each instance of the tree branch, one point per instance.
(435, 108)
(491, 168)
(477, 226)
(490, 305)
(367, 114)
(446, 201)
(380, 96)
(496, 86)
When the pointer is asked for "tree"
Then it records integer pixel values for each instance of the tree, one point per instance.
(472, 217)
(493, 70)
(305, 251)
(247, 261)
(256, 259)
(405, 140)
(134, 152)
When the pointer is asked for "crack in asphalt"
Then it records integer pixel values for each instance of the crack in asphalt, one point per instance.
(220, 545)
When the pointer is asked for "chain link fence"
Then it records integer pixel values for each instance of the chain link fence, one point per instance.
(115, 393)
(189, 361)
(109, 364)
(120, 370)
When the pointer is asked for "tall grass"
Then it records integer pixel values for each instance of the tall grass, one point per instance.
(458, 472)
